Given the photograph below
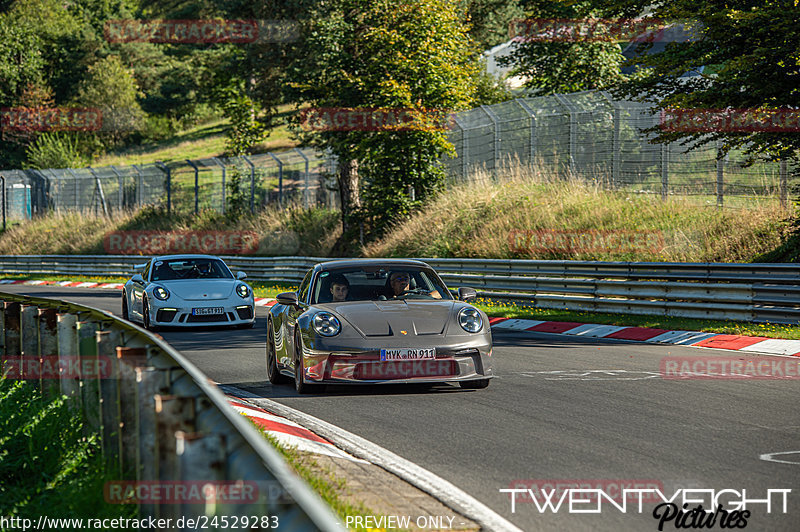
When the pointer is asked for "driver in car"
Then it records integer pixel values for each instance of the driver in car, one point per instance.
(400, 283)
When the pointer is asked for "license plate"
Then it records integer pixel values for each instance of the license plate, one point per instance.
(206, 311)
(408, 354)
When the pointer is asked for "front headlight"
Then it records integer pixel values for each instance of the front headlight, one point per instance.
(326, 324)
(470, 319)
(161, 293)
(243, 290)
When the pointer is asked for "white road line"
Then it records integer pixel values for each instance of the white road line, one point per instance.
(423, 479)
(768, 457)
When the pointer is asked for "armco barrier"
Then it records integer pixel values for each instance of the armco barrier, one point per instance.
(750, 292)
(156, 413)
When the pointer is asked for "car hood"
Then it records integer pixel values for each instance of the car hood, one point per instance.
(390, 318)
(200, 290)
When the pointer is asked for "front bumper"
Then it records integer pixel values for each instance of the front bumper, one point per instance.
(452, 364)
(239, 313)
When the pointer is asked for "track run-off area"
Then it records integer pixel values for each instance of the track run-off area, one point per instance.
(563, 410)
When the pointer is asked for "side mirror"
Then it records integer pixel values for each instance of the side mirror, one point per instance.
(465, 294)
(139, 267)
(241, 275)
(138, 278)
(287, 298)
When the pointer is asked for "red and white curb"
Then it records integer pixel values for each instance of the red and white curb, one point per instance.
(288, 433)
(735, 342)
(260, 301)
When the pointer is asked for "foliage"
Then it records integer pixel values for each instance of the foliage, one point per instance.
(248, 128)
(489, 20)
(55, 150)
(562, 67)
(389, 55)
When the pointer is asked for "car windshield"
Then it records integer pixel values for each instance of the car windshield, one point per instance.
(378, 283)
(169, 270)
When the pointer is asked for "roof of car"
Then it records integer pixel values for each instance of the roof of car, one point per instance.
(184, 256)
(344, 263)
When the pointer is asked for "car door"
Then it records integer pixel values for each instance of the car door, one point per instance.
(137, 291)
(293, 313)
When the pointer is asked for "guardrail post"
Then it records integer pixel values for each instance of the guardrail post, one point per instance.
(70, 383)
(30, 344)
(149, 383)
(48, 351)
(13, 349)
(110, 415)
(173, 414)
(200, 457)
(88, 363)
(129, 358)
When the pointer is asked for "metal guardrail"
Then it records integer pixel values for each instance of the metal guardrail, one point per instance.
(749, 292)
(156, 414)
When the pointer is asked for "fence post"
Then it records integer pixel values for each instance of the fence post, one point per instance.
(129, 358)
(200, 457)
(139, 186)
(67, 357)
(168, 171)
(90, 391)
(664, 171)
(29, 330)
(3, 201)
(720, 177)
(464, 147)
(615, 147)
(108, 379)
(784, 184)
(572, 132)
(11, 323)
(253, 183)
(305, 177)
(196, 184)
(120, 187)
(99, 188)
(280, 179)
(219, 163)
(496, 146)
(173, 413)
(532, 140)
(77, 188)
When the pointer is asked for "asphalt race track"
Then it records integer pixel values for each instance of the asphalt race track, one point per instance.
(561, 408)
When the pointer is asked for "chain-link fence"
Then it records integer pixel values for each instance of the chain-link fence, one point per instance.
(300, 176)
(593, 136)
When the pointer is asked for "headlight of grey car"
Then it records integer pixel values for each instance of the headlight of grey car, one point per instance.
(326, 324)
(243, 290)
(161, 293)
(470, 319)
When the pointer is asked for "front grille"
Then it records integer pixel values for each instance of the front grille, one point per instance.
(208, 318)
(245, 313)
(165, 315)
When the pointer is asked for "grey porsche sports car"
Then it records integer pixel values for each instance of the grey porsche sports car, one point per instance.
(374, 321)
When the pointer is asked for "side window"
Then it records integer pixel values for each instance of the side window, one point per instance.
(146, 272)
(302, 292)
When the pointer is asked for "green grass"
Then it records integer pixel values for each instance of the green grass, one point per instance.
(47, 465)
(332, 490)
(511, 310)
(199, 142)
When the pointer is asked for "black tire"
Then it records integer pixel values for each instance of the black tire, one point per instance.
(299, 385)
(474, 385)
(146, 317)
(125, 315)
(274, 376)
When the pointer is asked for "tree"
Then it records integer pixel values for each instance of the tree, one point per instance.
(413, 55)
(489, 20)
(562, 66)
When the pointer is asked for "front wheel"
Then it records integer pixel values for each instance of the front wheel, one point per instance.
(125, 315)
(274, 376)
(474, 385)
(301, 386)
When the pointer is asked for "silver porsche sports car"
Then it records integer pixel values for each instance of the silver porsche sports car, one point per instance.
(188, 291)
(376, 321)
